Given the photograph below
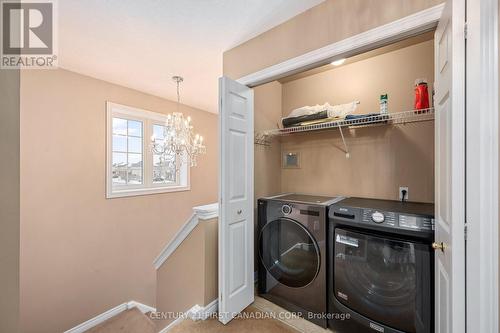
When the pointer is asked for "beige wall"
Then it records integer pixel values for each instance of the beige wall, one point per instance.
(83, 254)
(267, 162)
(267, 105)
(324, 24)
(189, 276)
(211, 264)
(9, 200)
(381, 158)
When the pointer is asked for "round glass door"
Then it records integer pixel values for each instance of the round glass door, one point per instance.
(384, 279)
(289, 252)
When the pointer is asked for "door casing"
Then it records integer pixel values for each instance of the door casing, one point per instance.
(482, 150)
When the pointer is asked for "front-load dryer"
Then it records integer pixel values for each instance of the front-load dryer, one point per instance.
(292, 253)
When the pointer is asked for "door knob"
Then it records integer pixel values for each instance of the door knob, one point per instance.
(439, 246)
(239, 211)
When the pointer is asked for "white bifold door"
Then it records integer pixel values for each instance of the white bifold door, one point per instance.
(236, 216)
(449, 103)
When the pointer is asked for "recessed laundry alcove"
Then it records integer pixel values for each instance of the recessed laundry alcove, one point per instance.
(381, 156)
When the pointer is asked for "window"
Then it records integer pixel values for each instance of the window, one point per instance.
(163, 166)
(132, 167)
(126, 147)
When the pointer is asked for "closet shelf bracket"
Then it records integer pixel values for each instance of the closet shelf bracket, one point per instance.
(346, 149)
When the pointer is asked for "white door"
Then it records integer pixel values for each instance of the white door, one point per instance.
(236, 221)
(449, 170)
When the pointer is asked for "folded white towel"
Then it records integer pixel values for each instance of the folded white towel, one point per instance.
(340, 110)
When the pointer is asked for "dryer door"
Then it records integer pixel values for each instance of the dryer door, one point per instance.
(289, 252)
(386, 280)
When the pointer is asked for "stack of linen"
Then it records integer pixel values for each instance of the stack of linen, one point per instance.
(308, 115)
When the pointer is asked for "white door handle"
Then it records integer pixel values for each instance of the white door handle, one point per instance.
(239, 211)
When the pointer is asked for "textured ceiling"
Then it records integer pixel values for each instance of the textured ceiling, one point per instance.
(141, 44)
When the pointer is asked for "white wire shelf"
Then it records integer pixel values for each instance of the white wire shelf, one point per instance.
(411, 116)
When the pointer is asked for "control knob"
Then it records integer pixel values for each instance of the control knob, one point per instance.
(286, 209)
(378, 217)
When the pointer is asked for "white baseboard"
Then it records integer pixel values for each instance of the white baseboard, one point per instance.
(202, 313)
(197, 312)
(109, 314)
(143, 307)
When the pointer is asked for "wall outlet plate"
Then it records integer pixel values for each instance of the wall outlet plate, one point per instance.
(401, 188)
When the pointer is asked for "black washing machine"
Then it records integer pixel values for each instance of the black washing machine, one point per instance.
(381, 270)
(292, 253)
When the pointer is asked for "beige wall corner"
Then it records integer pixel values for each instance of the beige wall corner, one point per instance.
(268, 105)
(326, 23)
(9, 200)
(83, 254)
(189, 276)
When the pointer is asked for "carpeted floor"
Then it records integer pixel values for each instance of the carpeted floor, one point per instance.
(261, 317)
(255, 321)
(130, 321)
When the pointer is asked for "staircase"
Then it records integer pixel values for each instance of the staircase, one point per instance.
(186, 277)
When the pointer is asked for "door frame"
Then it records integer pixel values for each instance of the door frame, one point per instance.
(482, 150)
(482, 239)
(386, 34)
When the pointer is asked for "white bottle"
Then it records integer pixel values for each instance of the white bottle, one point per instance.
(383, 104)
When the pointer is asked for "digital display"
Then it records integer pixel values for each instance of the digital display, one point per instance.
(408, 221)
(309, 212)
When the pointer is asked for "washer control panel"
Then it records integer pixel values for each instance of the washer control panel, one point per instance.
(396, 220)
(384, 218)
(406, 218)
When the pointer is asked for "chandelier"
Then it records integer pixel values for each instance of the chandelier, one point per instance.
(178, 142)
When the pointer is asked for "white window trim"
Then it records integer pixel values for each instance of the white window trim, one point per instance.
(148, 118)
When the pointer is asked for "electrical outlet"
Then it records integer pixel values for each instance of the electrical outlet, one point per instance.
(401, 189)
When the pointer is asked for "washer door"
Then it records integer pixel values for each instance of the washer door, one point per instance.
(289, 252)
(386, 280)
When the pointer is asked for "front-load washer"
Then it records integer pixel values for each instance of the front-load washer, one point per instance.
(292, 253)
(381, 266)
